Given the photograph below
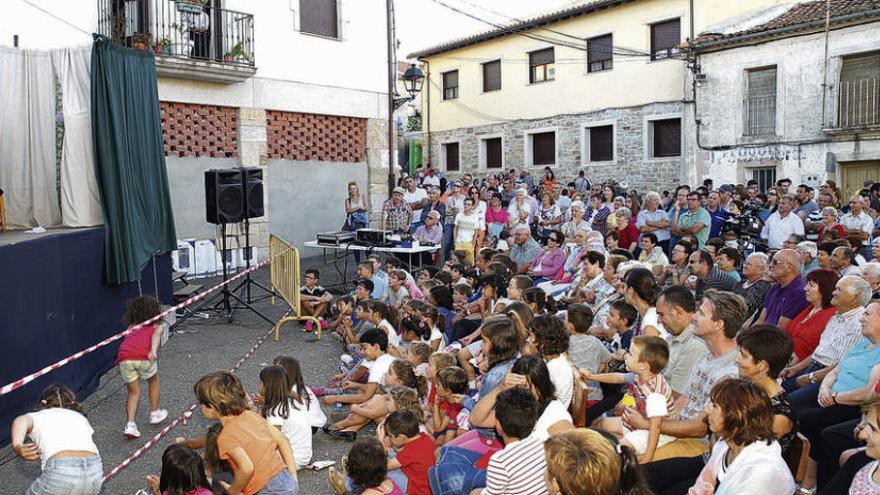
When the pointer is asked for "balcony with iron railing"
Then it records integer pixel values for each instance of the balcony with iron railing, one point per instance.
(759, 116)
(858, 104)
(191, 39)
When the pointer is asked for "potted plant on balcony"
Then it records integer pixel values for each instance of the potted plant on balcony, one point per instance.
(162, 46)
(236, 54)
(191, 6)
(140, 41)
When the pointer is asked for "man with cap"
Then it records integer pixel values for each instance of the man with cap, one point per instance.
(416, 198)
(430, 232)
(726, 191)
(454, 205)
(396, 214)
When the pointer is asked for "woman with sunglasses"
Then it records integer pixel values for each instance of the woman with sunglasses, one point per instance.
(551, 260)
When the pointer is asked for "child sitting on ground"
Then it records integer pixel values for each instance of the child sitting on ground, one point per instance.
(137, 360)
(280, 411)
(303, 398)
(62, 439)
(314, 300)
(414, 448)
(396, 294)
(367, 467)
(260, 454)
(385, 319)
(414, 329)
(435, 321)
(182, 472)
(653, 397)
(445, 410)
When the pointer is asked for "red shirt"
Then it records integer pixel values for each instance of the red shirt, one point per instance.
(806, 332)
(628, 234)
(136, 345)
(415, 459)
(451, 411)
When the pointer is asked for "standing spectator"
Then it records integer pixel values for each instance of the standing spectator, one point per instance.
(786, 298)
(496, 216)
(454, 206)
(549, 179)
(480, 206)
(581, 184)
(357, 207)
(805, 197)
(507, 192)
(520, 211)
(679, 205)
(599, 214)
(755, 285)
(524, 249)
(716, 213)
(708, 275)
(694, 221)
(781, 224)
(416, 198)
(434, 204)
(858, 224)
(652, 220)
(549, 215)
(396, 214)
(746, 458)
(468, 227)
(676, 308)
(806, 328)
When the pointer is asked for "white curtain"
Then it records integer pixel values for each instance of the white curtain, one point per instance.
(80, 205)
(27, 139)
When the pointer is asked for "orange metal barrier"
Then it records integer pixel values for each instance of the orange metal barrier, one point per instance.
(284, 280)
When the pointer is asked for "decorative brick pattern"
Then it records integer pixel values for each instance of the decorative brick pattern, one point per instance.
(191, 130)
(305, 136)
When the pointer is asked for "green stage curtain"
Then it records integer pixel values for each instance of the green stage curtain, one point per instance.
(129, 159)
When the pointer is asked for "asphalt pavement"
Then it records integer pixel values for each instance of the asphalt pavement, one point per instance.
(196, 347)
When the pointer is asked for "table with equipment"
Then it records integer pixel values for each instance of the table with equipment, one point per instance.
(333, 254)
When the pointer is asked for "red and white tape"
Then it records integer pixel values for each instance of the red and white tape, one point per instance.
(9, 387)
(183, 418)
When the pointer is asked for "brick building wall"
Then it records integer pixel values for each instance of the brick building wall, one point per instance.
(304, 136)
(193, 130)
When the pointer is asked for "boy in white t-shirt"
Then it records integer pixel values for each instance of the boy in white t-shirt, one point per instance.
(645, 361)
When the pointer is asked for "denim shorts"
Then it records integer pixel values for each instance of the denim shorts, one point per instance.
(69, 476)
(280, 484)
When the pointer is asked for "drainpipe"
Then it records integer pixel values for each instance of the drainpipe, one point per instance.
(825, 68)
(427, 108)
(392, 70)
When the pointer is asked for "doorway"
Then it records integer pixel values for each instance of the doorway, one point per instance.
(854, 174)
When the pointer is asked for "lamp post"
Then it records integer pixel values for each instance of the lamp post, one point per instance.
(413, 79)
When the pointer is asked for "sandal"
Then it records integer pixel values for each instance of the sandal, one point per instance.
(337, 482)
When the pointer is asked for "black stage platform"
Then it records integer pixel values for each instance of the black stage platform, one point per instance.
(53, 303)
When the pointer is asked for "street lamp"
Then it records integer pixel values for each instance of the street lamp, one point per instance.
(413, 79)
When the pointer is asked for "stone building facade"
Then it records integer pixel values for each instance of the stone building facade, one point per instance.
(631, 163)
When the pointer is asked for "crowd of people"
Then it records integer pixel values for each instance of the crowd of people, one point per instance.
(573, 338)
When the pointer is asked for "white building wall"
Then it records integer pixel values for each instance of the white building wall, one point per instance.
(800, 148)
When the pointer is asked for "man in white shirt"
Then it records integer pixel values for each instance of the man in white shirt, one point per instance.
(857, 223)
(782, 224)
(416, 198)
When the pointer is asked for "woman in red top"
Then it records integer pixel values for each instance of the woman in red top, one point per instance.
(806, 328)
(626, 227)
(829, 222)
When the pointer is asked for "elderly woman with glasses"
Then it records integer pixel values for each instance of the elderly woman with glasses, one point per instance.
(829, 222)
(550, 260)
(577, 221)
(626, 227)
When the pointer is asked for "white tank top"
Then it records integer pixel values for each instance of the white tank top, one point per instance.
(57, 429)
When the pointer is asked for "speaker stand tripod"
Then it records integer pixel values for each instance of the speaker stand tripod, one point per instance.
(222, 301)
(248, 281)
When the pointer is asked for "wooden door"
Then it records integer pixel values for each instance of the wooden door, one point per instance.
(853, 175)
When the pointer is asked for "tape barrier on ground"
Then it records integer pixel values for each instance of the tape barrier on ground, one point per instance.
(9, 387)
(184, 417)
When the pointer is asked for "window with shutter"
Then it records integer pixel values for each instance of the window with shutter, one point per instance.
(601, 143)
(665, 37)
(492, 76)
(858, 97)
(666, 138)
(766, 177)
(599, 53)
(543, 148)
(542, 66)
(450, 152)
(450, 85)
(493, 153)
(319, 17)
(760, 103)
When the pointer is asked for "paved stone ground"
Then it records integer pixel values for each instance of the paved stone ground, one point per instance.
(196, 347)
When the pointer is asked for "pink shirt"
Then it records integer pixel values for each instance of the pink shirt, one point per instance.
(499, 216)
(136, 345)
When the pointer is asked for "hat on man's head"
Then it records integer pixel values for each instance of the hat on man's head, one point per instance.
(725, 188)
(868, 182)
(399, 189)
(434, 214)
(365, 283)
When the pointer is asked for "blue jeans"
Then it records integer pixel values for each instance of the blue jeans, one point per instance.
(789, 383)
(280, 484)
(69, 476)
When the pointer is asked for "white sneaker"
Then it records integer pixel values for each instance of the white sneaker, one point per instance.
(131, 430)
(346, 358)
(158, 416)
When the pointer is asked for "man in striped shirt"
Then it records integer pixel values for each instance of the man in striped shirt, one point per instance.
(518, 469)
